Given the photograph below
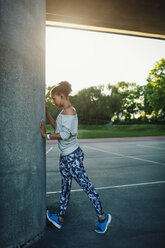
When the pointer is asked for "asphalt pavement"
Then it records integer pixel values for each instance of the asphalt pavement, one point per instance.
(129, 176)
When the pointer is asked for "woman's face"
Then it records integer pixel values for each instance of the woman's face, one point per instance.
(57, 100)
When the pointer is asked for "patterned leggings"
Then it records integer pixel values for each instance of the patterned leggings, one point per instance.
(72, 166)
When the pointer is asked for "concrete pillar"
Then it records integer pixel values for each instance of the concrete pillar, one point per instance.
(22, 101)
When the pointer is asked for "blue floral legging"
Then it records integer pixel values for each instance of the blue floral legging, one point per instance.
(71, 166)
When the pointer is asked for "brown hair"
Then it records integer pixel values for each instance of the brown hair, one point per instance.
(62, 88)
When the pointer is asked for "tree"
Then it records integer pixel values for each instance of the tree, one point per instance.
(155, 89)
(92, 105)
(131, 96)
(115, 100)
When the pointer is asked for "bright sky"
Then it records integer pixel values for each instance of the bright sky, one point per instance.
(86, 58)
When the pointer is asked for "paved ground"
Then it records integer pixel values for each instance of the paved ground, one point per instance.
(130, 179)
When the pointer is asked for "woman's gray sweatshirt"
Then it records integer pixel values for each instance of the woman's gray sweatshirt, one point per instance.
(67, 127)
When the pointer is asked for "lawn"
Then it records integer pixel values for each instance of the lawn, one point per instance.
(116, 131)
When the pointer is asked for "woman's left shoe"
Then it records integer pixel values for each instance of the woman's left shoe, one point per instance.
(53, 218)
(101, 227)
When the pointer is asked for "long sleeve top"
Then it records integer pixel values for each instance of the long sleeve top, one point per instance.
(67, 127)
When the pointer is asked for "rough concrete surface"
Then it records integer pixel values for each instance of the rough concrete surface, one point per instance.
(22, 99)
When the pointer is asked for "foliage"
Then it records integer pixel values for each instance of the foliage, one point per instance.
(124, 102)
(94, 106)
(155, 90)
(131, 98)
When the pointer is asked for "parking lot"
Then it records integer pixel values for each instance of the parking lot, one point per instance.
(129, 176)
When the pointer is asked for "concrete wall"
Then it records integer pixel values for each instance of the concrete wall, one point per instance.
(22, 100)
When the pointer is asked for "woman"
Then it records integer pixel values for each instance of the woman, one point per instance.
(71, 157)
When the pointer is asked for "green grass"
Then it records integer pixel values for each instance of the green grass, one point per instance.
(117, 131)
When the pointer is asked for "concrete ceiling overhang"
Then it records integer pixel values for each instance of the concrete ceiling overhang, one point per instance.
(132, 17)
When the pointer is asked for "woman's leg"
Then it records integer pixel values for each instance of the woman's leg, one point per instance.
(80, 175)
(66, 183)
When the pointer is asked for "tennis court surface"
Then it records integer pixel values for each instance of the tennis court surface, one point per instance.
(129, 176)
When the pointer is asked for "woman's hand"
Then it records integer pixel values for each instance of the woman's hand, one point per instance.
(43, 129)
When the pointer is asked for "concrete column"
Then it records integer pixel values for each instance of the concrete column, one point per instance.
(22, 101)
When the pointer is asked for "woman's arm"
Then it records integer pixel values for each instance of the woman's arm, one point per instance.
(56, 136)
(50, 118)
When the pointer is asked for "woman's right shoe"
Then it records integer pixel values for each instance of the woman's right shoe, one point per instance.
(101, 227)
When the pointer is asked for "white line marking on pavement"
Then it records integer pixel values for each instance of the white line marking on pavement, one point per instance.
(112, 187)
(121, 155)
(49, 150)
(159, 148)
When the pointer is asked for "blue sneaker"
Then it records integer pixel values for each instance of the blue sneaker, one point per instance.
(53, 218)
(101, 227)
